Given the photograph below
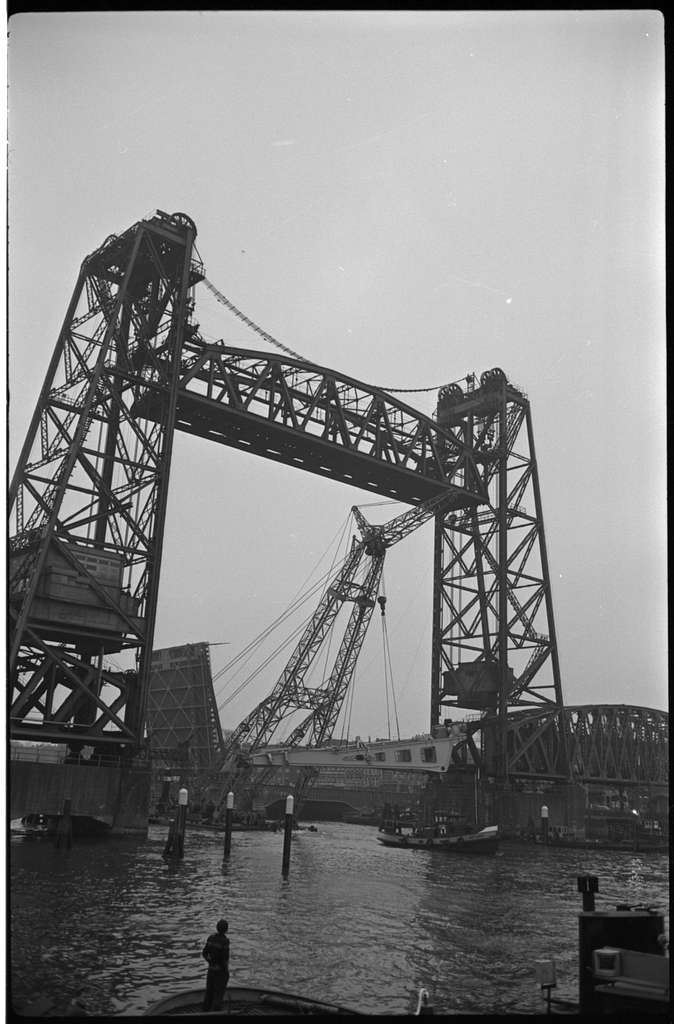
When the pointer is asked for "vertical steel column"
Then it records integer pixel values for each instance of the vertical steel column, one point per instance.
(51, 510)
(502, 591)
(89, 493)
(169, 418)
(436, 643)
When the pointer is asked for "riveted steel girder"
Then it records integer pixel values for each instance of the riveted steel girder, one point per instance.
(311, 418)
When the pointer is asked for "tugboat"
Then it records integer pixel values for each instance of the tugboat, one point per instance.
(448, 833)
(486, 840)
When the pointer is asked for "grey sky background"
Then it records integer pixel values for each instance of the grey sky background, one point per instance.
(403, 197)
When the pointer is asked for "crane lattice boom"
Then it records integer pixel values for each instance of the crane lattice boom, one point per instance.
(324, 703)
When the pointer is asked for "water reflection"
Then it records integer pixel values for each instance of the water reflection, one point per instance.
(354, 922)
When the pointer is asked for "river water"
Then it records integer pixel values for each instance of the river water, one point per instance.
(354, 922)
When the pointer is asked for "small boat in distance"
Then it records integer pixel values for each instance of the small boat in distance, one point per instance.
(484, 841)
(31, 826)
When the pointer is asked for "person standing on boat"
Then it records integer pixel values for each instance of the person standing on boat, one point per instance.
(216, 954)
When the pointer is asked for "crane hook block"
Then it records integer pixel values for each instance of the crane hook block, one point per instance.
(382, 603)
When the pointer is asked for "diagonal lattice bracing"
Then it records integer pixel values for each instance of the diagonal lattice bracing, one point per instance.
(612, 745)
(311, 418)
(494, 646)
(88, 498)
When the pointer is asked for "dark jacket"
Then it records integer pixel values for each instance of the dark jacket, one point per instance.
(216, 951)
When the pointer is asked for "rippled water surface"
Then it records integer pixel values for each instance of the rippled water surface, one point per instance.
(355, 922)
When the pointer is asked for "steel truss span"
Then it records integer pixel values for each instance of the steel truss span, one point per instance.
(607, 744)
(311, 418)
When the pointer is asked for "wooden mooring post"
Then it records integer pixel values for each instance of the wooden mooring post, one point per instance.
(175, 843)
(229, 814)
(287, 836)
(64, 827)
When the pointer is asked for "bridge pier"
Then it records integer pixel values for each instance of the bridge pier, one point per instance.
(115, 795)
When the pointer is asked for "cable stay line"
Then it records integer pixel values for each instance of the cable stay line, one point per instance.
(255, 643)
(342, 532)
(325, 673)
(388, 666)
(408, 391)
(390, 671)
(295, 604)
(293, 607)
(251, 323)
(293, 636)
(223, 300)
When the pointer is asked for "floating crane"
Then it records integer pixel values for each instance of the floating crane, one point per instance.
(323, 703)
(434, 754)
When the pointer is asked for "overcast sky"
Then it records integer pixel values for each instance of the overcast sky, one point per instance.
(402, 197)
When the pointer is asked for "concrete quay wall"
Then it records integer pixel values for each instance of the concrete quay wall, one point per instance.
(117, 795)
(566, 803)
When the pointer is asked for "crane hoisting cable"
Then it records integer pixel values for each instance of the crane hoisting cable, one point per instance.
(358, 583)
(388, 670)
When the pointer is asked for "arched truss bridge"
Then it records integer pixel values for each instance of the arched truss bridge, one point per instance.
(606, 744)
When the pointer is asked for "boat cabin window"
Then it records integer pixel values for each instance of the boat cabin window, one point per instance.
(380, 755)
(404, 755)
(428, 754)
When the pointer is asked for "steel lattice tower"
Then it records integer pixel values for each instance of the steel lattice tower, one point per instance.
(494, 643)
(88, 498)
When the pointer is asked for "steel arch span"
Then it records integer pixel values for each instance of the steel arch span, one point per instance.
(608, 744)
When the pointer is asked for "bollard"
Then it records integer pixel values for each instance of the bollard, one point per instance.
(287, 836)
(64, 827)
(544, 823)
(175, 844)
(170, 839)
(229, 814)
(546, 976)
(636, 830)
(588, 885)
(181, 820)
